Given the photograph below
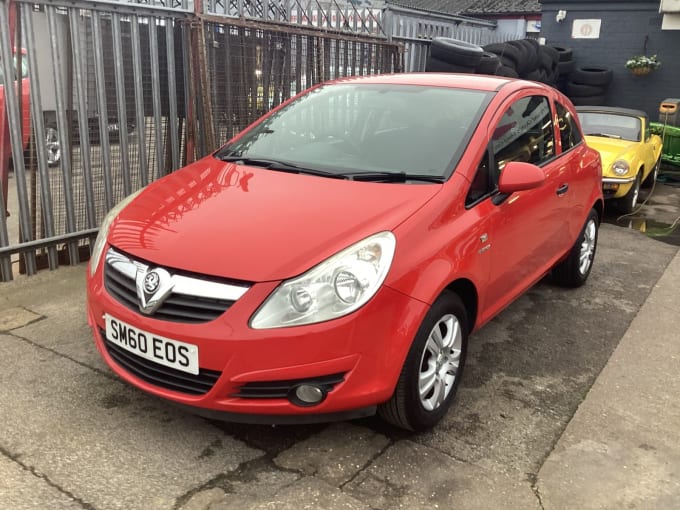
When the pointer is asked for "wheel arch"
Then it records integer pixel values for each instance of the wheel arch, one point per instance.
(599, 208)
(467, 292)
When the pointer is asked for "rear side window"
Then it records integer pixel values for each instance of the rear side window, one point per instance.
(525, 133)
(570, 135)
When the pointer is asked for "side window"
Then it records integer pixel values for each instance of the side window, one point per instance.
(483, 184)
(570, 135)
(525, 133)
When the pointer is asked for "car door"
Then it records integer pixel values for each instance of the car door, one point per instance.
(527, 228)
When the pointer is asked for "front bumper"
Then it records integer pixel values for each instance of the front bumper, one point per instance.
(367, 348)
(616, 187)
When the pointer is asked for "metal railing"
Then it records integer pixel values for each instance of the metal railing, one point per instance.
(109, 96)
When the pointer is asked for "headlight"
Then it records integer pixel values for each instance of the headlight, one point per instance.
(104, 231)
(620, 167)
(336, 287)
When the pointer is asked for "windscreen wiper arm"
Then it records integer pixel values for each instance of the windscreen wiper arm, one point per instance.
(393, 177)
(280, 166)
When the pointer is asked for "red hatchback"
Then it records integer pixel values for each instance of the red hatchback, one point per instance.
(332, 259)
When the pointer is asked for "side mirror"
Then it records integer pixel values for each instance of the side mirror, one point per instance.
(520, 176)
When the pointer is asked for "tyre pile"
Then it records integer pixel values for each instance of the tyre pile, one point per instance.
(522, 58)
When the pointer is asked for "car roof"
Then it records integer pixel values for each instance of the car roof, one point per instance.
(613, 110)
(465, 81)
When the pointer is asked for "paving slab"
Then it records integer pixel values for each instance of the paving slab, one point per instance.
(412, 476)
(67, 333)
(308, 493)
(23, 489)
(312, 493)
(622, 448)
(256, 483)
(16, 317)
(105, 443)
(336, 454)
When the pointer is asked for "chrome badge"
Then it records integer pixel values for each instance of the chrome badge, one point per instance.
(153, 287)
(151, 282)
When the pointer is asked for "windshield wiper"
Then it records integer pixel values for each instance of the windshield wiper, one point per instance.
(604, 135)
(280, 166)
(393, 177)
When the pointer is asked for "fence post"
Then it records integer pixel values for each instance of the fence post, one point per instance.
(5, 147)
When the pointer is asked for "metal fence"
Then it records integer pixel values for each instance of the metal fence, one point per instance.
(415, 30)
(109, 96)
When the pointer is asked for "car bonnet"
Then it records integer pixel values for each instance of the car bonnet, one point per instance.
(253, 224)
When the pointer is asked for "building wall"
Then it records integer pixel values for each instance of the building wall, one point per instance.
(627, 29)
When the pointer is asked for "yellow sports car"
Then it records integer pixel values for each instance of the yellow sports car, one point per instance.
(631, 155)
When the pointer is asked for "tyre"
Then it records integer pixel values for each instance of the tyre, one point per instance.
(565, 68)
(651, 177)
(488, 63)
(505, 50)
(433, 367)
(592, 76)
(456, 52)
(565, 54)
(507, 62)
(575, 269)
(535, 75)
(578, 89)
(506, 71)
(548, 55)
(53, 146)
(529, 60)
(434, 65)
(629, 202)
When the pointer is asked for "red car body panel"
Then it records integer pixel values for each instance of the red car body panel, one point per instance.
(263, 227)
(25, 107)
(277, 203)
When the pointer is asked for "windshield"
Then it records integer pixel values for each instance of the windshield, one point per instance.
(355, 128)
(611, 125)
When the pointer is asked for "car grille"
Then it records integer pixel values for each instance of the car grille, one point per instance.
(282, 389)
(160, 375)
(193, 300)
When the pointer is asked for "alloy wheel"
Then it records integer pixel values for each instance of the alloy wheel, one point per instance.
(587, 247)
(439, 362)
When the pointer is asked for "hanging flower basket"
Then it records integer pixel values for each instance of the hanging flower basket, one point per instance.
(641, 71)
(641, 65)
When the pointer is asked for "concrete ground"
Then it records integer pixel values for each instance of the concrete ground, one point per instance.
(569, 400)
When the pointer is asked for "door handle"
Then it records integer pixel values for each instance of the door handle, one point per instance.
(562, 189)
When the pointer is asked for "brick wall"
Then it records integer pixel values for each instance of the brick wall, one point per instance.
(626, 28)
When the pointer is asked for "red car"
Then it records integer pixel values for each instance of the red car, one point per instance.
(5, 141)
(332, 259)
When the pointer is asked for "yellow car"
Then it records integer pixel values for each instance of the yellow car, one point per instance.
(631, 155)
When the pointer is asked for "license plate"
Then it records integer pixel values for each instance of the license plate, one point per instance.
(164, 351)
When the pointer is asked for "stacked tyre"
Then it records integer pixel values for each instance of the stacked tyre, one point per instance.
(449, 55)
(588, 85)
(525, 58)
(565, 64)
(522, 58)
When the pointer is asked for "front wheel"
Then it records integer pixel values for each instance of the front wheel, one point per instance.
(650, 181)
(629, 202)
(575, 269)
(433, 367)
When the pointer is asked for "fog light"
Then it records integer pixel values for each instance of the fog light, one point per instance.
(307, 394)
